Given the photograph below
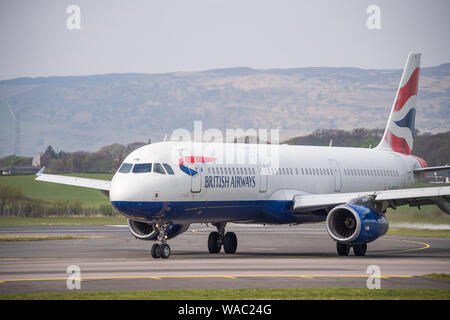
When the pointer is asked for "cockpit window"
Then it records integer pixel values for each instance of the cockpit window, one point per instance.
(158, 168)
(125, 168)
(142, 167)
(168, 168)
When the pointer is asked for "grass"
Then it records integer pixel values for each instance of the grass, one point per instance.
(418, 233)
(244, 294)
(66, 221)
(35, 237)
(55, 192)
(437, 276)
(428, 214)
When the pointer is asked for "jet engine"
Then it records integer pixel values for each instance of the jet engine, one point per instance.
(143, 230)
(150, 231)
(355, 224)
(443, 205)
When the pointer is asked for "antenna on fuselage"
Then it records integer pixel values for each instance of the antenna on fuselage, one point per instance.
(331, 143)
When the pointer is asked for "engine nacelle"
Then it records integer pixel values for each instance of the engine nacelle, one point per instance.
(142, 230)
(174, 230)
(149, 231)
(353, 224)
(443, 205)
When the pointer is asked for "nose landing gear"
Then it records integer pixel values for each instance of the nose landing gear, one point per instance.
(219, 238)
(162, 249)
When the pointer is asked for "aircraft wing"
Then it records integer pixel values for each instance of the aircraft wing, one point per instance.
(391, 198)
(431, 169)
(104, 185)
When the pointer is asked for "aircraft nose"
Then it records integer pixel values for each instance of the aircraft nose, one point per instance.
(116, 193)
(131, 198)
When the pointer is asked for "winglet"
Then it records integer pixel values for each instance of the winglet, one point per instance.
(40, 172)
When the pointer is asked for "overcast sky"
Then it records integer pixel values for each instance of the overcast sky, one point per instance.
(158, 36)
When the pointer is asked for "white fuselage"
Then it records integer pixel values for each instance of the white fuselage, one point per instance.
(222, 181)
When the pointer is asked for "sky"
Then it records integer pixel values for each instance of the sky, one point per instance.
(160, 36)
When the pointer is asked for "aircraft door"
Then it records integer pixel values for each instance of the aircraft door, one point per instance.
(196, 178)
(263, 180)
(337, 175)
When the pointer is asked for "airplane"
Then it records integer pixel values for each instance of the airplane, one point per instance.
(164, 187)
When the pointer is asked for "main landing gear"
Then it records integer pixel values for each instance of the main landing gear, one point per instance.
(162, 249)
(218, 238)
(343, 249)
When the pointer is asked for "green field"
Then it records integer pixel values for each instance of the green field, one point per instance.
(245, 294)
(405, 232)
(427, 214)
(55, 192)
(64, 221)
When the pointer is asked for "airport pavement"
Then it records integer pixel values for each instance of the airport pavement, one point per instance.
(267, 257)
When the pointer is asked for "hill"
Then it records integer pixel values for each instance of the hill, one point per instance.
(88, 112)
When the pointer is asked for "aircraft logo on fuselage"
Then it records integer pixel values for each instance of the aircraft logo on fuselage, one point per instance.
(184, 163)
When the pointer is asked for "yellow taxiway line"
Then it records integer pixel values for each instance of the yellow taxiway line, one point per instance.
(306, 276)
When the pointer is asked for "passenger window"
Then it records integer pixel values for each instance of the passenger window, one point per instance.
(169, 168)
(142, 167)
(158, 168)
(125, 168)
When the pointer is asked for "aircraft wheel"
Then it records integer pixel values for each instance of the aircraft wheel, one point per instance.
(360, 249)
(156, 250)
(230, 242)
(165, 251)
(342, 249)
(214, 244)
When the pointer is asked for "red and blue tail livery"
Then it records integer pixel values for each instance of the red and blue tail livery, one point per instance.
(399, 133)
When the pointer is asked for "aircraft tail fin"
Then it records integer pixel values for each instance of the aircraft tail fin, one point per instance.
(399, 133)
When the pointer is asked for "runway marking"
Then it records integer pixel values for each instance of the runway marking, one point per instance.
(425, 246)
(209, 276)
